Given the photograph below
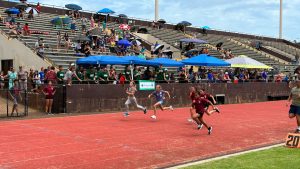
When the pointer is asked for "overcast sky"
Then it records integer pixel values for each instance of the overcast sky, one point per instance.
(249, 16)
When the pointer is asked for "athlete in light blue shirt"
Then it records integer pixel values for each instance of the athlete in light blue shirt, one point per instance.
(159, 95)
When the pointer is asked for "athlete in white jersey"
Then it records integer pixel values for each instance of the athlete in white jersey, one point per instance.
(132, 100)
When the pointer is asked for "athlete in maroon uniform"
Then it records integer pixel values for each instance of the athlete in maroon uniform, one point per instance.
(207, 96)
(199, 108)
(192, 97)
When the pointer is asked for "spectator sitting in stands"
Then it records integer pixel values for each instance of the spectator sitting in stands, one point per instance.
(40, 47)
(87, 50)
(19, 28)
(1, 19)
(26, 30)
(78, 47)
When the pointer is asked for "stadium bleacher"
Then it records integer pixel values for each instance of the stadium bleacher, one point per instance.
(238, 45)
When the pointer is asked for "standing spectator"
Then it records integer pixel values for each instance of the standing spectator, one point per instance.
(36, 81)
(92, 22)
(26, 30)
(22, 76)
(127, 73)
(2, 78)
(103, 75)
(16, 96)
(49, 92)
(39, 7)
(160, 75)
(42, 75)
(137, 74)
(191, 70)
(147, 74)
(264, 76)
(91, 75)
(73, 25)
(83, 21)
(58, 39)
(112, 75)
(210, 77)
(67, 41)
(12, 76)
(70, 74)
(51, 75)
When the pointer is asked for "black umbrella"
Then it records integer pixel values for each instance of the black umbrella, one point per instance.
(219, 44)
(81, 38)
(157, 48)
(21, 6)
(123, 16)
(161, 21)
(185, 23)
(143, 30)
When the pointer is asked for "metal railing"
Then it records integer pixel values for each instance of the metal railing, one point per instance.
(9, 101)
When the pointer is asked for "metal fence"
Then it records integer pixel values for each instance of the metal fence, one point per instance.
(13, 105)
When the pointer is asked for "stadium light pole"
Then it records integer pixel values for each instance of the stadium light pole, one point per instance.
(280, 21)
(156, 10)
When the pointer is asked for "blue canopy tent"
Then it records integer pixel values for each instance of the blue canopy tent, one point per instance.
(91, 60)
(106, 11)
(200, 41)
(165, 62)
(73, 7)
(205, 60)
(135, 60)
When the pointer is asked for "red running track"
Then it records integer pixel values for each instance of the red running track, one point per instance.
(111, 141)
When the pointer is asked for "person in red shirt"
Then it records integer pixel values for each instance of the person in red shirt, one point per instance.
(199, 108)
(26, 30)
(39, 7)
(51, 75)
(49, 92)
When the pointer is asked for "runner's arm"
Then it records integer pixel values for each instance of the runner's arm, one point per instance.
(150, 95)
(168, 94)
(213, 99)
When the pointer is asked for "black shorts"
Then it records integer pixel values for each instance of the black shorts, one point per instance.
(294, 110)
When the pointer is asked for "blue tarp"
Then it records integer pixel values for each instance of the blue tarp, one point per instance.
(205, 60)
(193, 41)
(165, 62)
(106, 11)
(136, 60)
(73, 7)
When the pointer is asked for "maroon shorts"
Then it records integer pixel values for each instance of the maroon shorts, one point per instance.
(49, 97)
